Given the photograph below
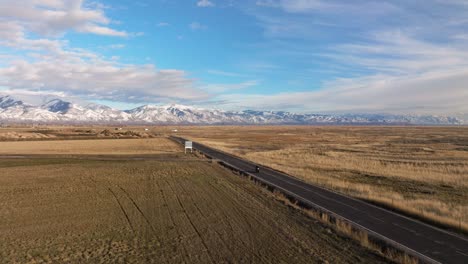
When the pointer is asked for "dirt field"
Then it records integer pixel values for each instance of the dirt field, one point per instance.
(183, 210)
(422, 171)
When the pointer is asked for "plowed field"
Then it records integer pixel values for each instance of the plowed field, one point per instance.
(174, 210)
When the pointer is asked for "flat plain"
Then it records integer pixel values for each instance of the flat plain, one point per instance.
(89, 147)
(420, 171)
(167, 208)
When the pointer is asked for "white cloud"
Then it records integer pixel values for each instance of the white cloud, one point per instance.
(197, 26)
(163, 24)
(410, 76)
(12, 35)
(221, 88)
(74, 73)
(461, 36)
(52, 17)
(102, 31)
(224, 73)
(37, 97)
(307, 6)
(302, 5)
(205, 3)
(117, 46)
(389, 58)
(379, 93)
(399, 52)
(50, 64)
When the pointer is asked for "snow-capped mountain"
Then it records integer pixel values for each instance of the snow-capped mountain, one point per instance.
(8, 101)
(57, 110)
(180, 114)
(57, 106)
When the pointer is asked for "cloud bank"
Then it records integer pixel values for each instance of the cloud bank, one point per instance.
(48, 63)
(393, 56)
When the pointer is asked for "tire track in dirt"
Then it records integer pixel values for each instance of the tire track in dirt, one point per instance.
(255, 199)
(233, 206)
(204, 216)
(138, 209)
(251, 221)
(143, 215)
(240, 221)
(96, 186)
(158, 214)
(122, 209)
(229, 215)
(282, 228)
(208, 251)
(171, 217)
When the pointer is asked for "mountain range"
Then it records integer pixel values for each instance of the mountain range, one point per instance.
(59, 111)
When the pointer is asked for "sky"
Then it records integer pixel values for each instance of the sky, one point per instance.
(296, 55)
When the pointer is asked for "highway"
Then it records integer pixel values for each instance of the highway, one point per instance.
(428, 243)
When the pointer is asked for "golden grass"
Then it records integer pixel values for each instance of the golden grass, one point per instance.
(91, 147)
(422, 171)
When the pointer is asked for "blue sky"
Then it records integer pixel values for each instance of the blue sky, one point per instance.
(299, 55)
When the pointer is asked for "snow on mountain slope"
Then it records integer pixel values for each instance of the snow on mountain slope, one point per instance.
(181, 114)
(111, 114)
(57, 106)
(12, 109)
(177, 114)
(8, 101)
(58, 110)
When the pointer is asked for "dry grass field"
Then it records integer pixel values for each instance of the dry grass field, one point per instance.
(167, 209)
(90, 147)
(28, 133)
(422, 171)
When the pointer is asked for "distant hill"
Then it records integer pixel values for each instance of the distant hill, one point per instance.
(58, 111)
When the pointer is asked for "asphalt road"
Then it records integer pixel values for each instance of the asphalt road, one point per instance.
(431, 244)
